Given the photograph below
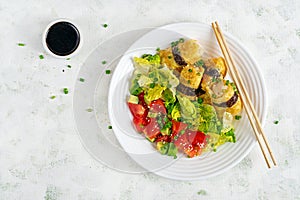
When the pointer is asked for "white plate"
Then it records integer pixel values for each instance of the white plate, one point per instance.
(140, 150)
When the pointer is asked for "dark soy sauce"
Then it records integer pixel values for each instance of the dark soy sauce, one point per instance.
(63, 38)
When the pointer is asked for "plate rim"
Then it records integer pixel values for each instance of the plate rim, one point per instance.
(248, 54)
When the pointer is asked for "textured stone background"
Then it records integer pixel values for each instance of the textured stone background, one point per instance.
(41, 156)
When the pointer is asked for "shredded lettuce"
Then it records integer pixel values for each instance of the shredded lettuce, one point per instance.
(187, 108)
(216, 140)
(208, 120)
(175, 112)
(154, 93)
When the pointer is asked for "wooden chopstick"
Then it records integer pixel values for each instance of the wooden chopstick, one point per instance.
(257, 128)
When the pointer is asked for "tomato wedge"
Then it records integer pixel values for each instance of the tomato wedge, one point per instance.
(158, 106)
(192, 151)
(181, 142)
(142, 100)
(196, 138)
(177, 127)
(163, 138)
(137, 110)
(152, 129)
(190, 142)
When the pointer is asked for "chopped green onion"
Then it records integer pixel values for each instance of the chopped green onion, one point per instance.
(69, 66)
(68, 58)
(105, 25)
(41, 56)
(189, 81)
(227, 82)
(181, 40)
(21, 44)
(169, 57)
(53, 97)
(276, 122)
(89, 109)
(200, 100)
(66, 91)
(104, 62)
(199, 63)
(190, 70)
(152, 85)
(237, 117)
(201, 192)
(157, 49)
(109, 127)
(214, 96)
(107, 71)
(81, 80)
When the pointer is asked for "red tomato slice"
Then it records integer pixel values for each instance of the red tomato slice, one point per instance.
(165, 138)
(142, 100)
(138, 123)
(196, 138)
(191, 142)
(192, 151)
(181, 142)
(158, 106)
(177, 127)
(137, 110)
(152, 129)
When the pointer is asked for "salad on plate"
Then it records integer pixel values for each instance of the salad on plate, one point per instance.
(180, 100)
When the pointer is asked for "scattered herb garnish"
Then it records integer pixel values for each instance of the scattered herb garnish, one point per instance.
(66, 91)
(169, 57)
(81, 80)
(152, 85)
(109, 127)
(41, 56)
(227, 82)
(105, 25)
(68, 58)
(190, 70)
(238, 117)
(104, 62)
(276, 122)
(214, 96)
(157, 49)
(107, 71)
(89, 109)
(200, 100)
(201, 192)
(199, 63)
(181, 40)
(189, 81)
(21, 44)
(53, 97)
(69, 66)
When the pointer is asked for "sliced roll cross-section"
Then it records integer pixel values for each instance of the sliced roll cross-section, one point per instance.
(214, 68)
(180, 54)
(225, 97)
(190, 79)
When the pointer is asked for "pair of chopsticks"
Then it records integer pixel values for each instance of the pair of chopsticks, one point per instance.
(253, 118)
